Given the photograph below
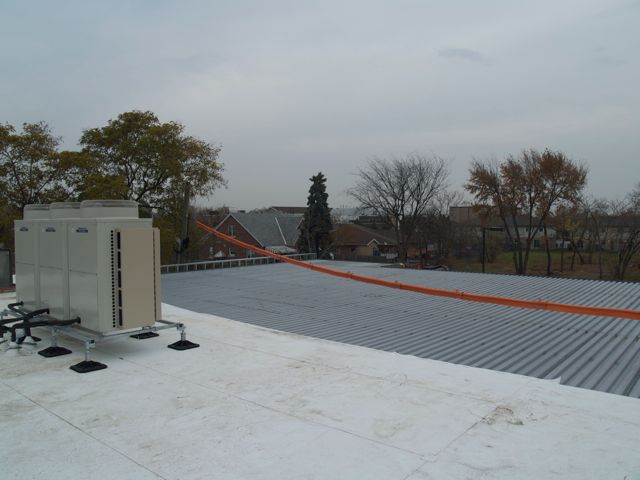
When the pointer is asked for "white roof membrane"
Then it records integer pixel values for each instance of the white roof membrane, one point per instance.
(254, 403)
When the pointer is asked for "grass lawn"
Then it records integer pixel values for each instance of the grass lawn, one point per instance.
(538, 265)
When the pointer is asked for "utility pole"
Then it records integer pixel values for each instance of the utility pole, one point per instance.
(484, 241)
(183, 241)
(562, 248)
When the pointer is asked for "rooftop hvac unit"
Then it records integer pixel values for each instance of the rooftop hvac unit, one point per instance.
(27, 255)
(114, 267)
(53, 255)
(89, 270)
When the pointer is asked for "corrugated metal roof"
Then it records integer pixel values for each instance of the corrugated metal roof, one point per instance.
(270, 229)
(598, 353)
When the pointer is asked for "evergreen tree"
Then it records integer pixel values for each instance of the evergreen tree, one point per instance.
(315, 229)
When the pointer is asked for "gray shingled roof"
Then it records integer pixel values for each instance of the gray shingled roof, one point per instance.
(591, 352)
(270, 229)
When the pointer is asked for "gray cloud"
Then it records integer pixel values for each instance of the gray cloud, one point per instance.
(461, 54)
(290, 88)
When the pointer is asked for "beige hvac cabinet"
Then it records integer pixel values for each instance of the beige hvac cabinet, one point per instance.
(95, 263)
(54, 258)
(114, 267)
(27, 255)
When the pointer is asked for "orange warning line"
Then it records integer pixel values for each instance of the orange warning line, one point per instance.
(438, 292)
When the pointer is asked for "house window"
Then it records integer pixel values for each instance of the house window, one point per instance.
(232, 230)
(536, 244)
(251, 254)
(232, 252)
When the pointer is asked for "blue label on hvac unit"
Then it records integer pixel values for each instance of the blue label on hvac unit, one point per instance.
(50, 229)
(82, 230)
(24, 229)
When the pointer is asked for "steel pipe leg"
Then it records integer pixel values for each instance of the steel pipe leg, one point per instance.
(54, 350)
(88, 365)
(183, 343)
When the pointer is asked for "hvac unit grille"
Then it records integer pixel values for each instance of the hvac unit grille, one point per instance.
(116, 280)
(113, 283)
(119, 277)
(155, 282)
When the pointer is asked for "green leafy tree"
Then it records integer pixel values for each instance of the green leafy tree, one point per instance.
(134, 156)
(85, 179)
(30, 172)
(151, 162)
(137, 157)
(316, 226)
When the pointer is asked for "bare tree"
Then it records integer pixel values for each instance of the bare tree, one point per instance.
(435, 227)
(400, 191)
(628, 234)
(601, 213)
(580, 227)
(523, 191)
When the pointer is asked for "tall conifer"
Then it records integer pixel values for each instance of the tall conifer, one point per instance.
(315, 229)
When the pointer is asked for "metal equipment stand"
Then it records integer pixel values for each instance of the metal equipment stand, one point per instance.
(54, 350)
(144, 335)
(88, 365)
(183, 343)
(91, 339)
(69, 328)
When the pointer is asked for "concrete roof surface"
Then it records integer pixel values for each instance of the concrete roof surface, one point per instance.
(254, 403)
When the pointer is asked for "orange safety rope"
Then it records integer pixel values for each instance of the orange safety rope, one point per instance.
(438, 292)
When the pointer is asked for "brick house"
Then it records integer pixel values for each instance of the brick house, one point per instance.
(468, 218)
(288, 210)
(270, 231)
(353, 240)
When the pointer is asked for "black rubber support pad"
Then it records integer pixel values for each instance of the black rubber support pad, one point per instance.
(87, 366)
(183, 345)
(54, 352)
(143, 335)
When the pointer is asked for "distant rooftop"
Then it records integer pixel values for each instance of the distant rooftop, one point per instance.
(289, 210)
(270, 229)
(354, 234)
(591, 352)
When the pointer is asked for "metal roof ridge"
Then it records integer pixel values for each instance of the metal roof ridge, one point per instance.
(280, 229)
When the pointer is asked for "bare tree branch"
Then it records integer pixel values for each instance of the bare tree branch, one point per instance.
(401, 190)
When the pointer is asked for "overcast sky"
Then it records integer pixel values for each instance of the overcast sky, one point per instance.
(292, 88)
